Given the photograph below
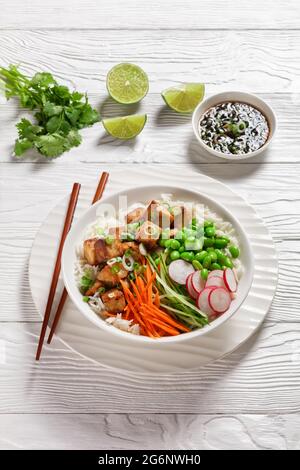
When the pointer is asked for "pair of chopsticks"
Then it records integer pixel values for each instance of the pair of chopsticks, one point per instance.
(56, 272)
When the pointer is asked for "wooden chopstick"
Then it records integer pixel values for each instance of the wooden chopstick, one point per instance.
(97, 197)
(67, 225)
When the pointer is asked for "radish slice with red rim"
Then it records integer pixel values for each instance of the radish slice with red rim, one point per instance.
(197, 282)
(216, 272)
(219, 299)
(189, 287)
(230, 280)
(203, 303)
(179, 270)
(215, 281)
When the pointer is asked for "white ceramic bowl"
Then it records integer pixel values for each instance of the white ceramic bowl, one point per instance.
(234, 96)
(144, 194)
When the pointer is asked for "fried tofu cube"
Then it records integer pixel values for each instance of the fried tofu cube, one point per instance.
(135, 215)
(114, 301)
(148, 234)
(105, 251)
(159, 215)
(93, 289)
(89, 251)
(111, 275)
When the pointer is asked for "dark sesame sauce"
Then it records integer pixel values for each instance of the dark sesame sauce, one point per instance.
(234, 128)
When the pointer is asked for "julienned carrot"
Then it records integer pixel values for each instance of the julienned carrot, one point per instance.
(143, 304)
(160, 315)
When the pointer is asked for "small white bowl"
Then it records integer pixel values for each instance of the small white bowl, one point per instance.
(143, 194)
(235, 96)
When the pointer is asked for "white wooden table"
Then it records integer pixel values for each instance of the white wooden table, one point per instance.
(251, 399)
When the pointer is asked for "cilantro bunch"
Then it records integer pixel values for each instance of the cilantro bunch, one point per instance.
(60, 113)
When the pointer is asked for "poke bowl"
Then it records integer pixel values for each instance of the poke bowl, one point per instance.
(157, 264)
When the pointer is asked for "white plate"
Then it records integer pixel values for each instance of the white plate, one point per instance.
(119, 352)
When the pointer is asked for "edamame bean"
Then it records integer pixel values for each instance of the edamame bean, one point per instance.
(220, 243)
(234, 251)
(196, 264)
(175, 244)
(215, 266)
(210, 249)
(187, 256)
(207, 261)
(174, 255)
(208, 242)
(210, 231)
(213, 256)
(200, 256)
(227, 262)
(204, 274)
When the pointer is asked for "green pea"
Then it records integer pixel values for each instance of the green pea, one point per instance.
(210, 231)
(210, 249)
(187, 256)
(208, 242)
(181, 249)
(227, 262)
(215, 266)
(157, 261)
(200, 256)
(207, 261)
(196, 264)
(174, 255)
(220, 243)
(85, 298)
(204, 274)
(162, 242)
(234, 251)
(213, 256)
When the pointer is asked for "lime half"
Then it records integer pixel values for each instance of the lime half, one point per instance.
(127, 83)
(125, 127)
(184, 98)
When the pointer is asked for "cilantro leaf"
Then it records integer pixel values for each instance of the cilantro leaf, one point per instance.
(21, 145)
(53, 124)
(51, 109)
(51, 145)
(74, 138)
(59, 112)
(27, 130)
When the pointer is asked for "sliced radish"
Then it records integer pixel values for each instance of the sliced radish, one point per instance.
(202, 301)
(189, 287)
(219, 300)
(230, 280)
(215, 281)
(216, 272)
(179, 270)
(197, 282)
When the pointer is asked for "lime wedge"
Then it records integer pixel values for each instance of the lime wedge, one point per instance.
(125, 127)
(127, 83)
(184, 98)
